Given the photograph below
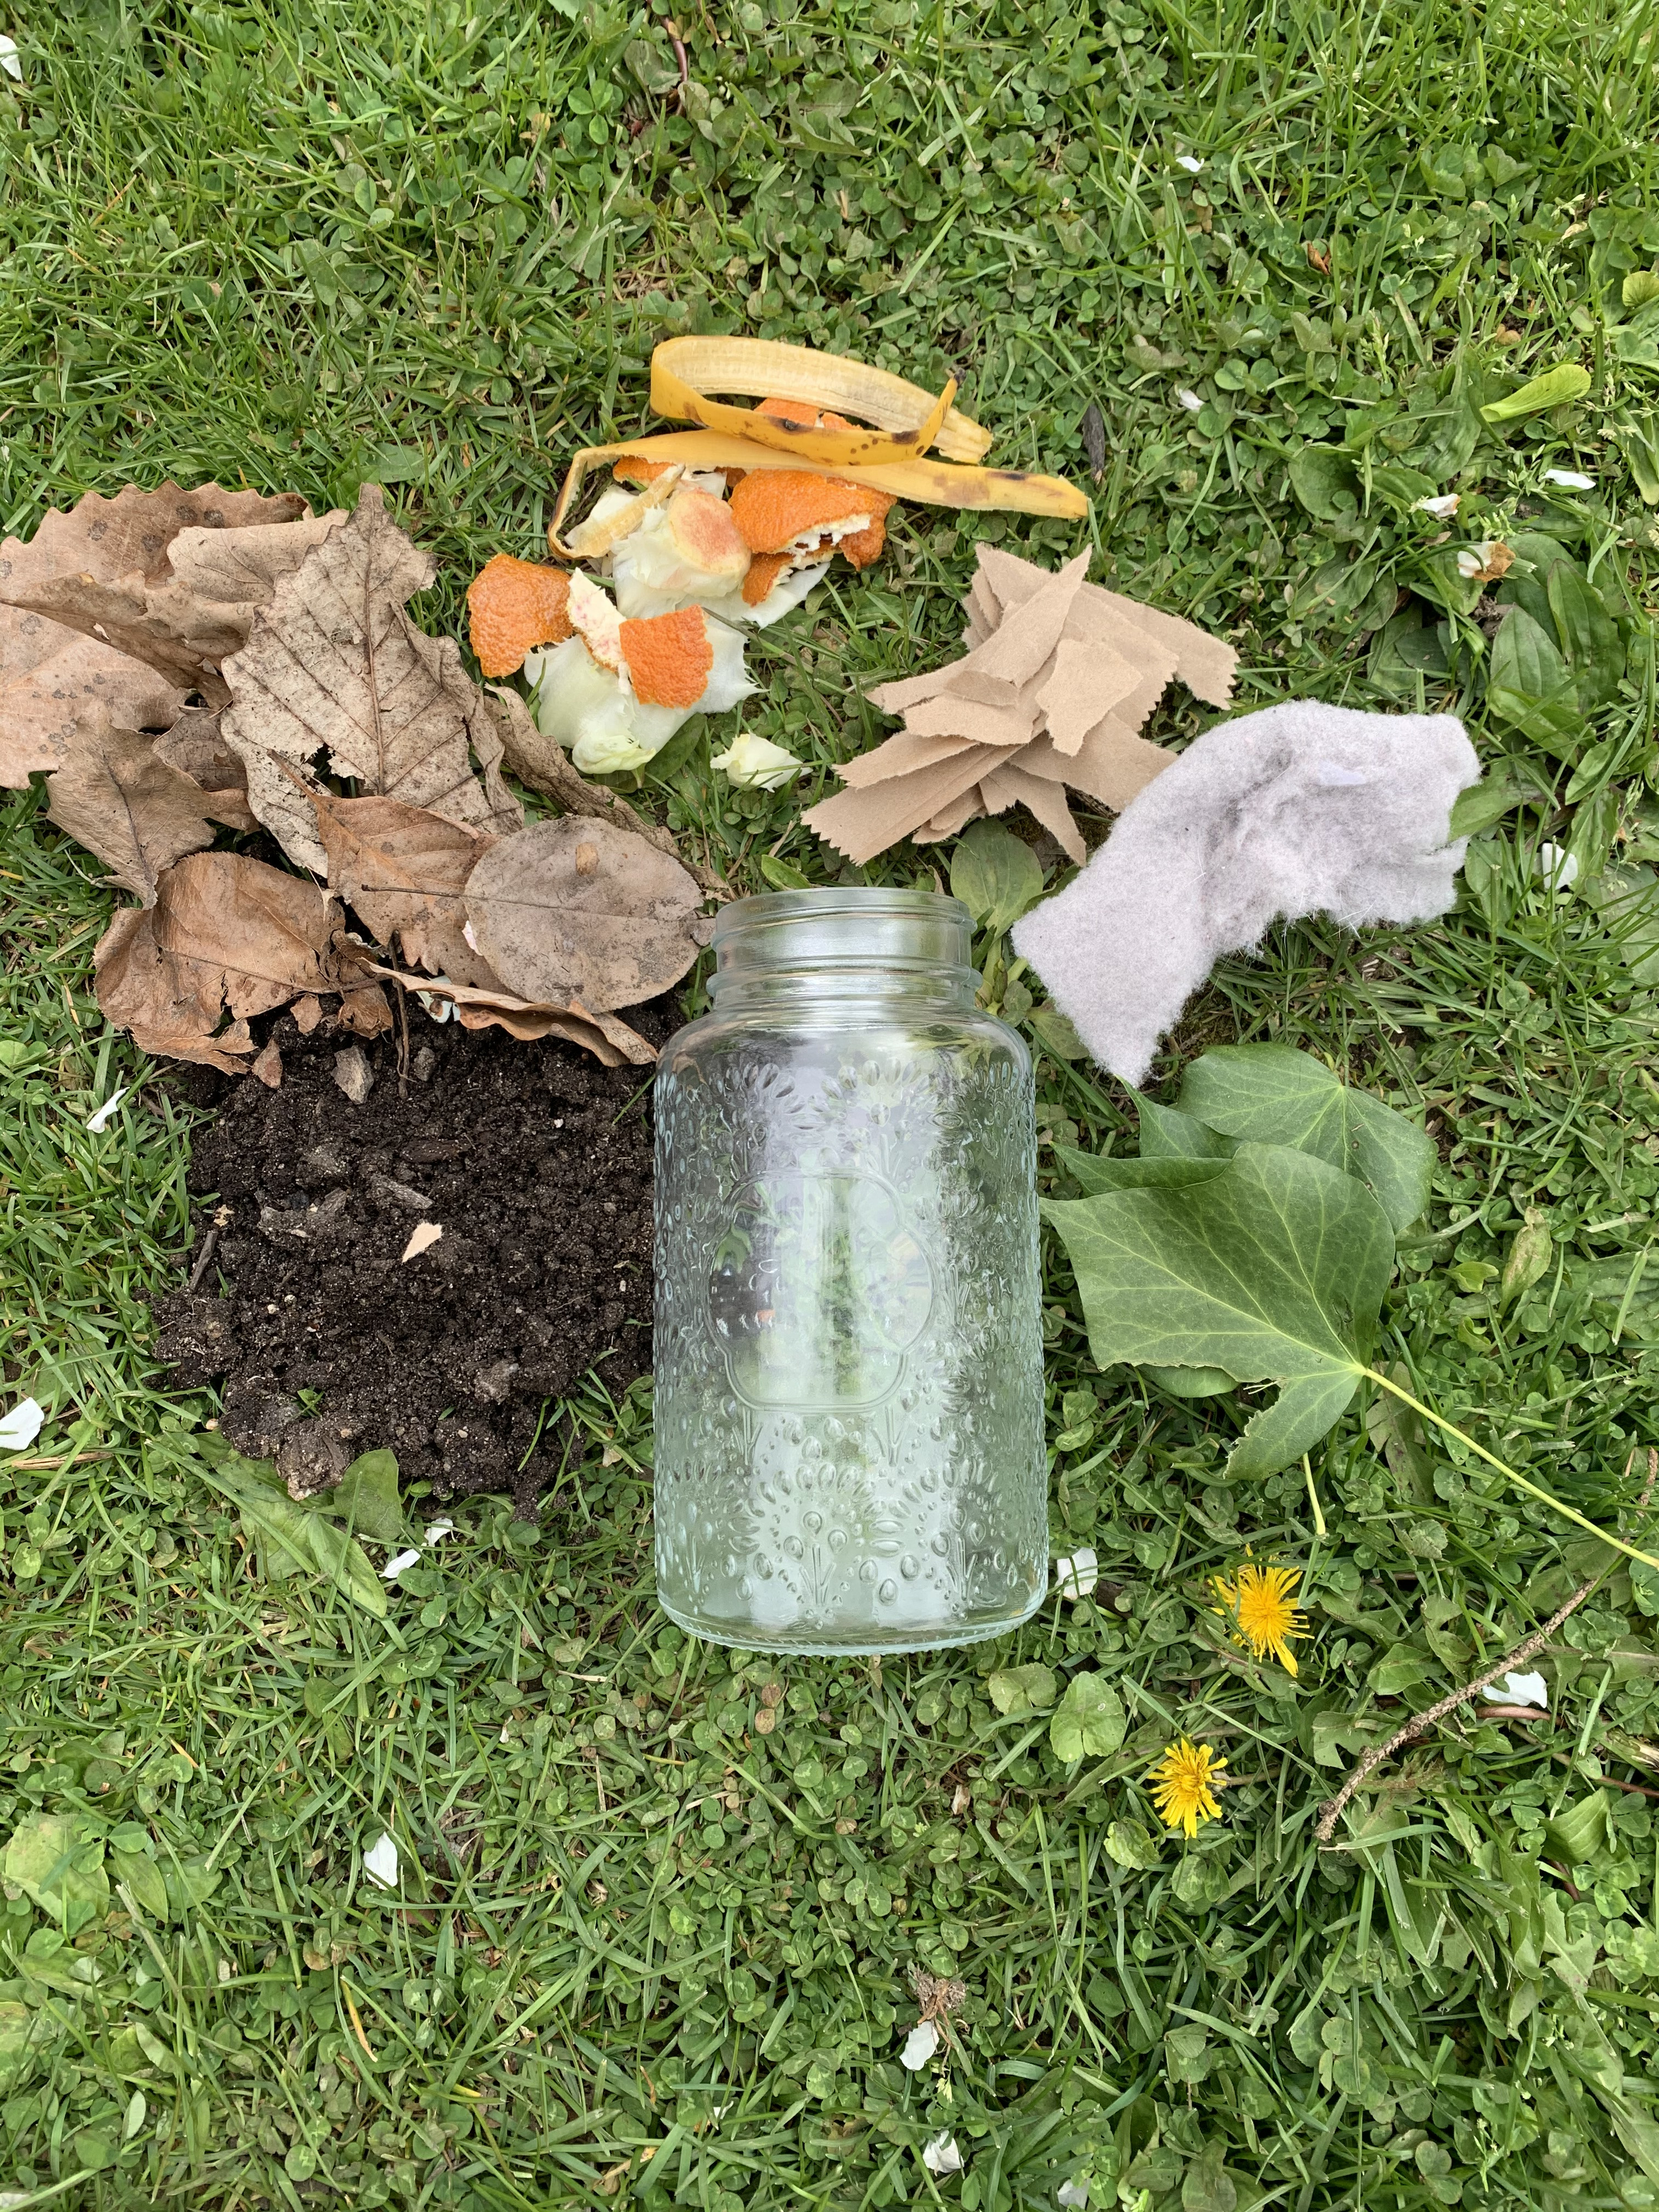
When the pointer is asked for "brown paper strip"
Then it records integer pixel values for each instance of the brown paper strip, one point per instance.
(862, 823)
(1084, 683)
(973, 721)
(1045, 803)
(950, 819)
(1112, 764)
(1015, 651)
(899, 756)
(1205, 664)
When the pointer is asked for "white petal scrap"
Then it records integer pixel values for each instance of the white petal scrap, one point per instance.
(1570, 479)
(423, 1237)
(1518, 1690)
(1558, 866)
(753, 763)
(437, 1530)
(1190, 162)
(100, 1119)
(1076, 1575)
(381, 1863)
(20, 1427)
(1474, 560)
(939, 2153)
(1442, 507)
(9, 60)
(1074, 2195)
(395, 1565)
(919, 2046)
(1188, 398)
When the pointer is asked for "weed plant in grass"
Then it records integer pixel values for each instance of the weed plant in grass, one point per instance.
(658, 1907)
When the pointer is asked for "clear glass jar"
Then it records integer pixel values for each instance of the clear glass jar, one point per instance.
(848, 1359)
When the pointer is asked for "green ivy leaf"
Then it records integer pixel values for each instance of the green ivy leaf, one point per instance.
(1088, 1722)
(1272, 1270)
(997, 875)
(1272, 1094)
(1016, 1691)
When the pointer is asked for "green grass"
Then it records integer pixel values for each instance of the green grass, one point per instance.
(309, 244)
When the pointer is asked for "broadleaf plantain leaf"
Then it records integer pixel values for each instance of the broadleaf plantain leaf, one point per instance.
(1273, 1270)
(1272, 1094)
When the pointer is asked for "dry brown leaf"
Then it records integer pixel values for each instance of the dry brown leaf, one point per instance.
(335, 669)
(42, 703)
(578, 910)
(402, 869)
(137, 813)
(195, 746)
(604, 1035)
(545, 766)
(225, 934)
(130, 533)
(186, 620)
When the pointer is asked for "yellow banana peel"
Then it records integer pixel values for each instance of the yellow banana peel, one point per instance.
(684, 372)
(892, 458)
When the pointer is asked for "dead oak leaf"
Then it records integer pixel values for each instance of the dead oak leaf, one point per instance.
(130, 533)
(187, 619)
(43, 703)
(226, 934)
(196, 747)
(577, 909)
(335, 669)
(114, 795)
(401, 868)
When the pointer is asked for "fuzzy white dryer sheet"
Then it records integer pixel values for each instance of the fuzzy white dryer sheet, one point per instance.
(1296, 809)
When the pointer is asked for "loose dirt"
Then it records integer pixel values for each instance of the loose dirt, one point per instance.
(533, 1160)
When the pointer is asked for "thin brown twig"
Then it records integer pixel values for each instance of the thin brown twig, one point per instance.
(209, 1246)
(1421, 1722)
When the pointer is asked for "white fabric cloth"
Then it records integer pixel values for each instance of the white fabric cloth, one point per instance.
(1297, 810)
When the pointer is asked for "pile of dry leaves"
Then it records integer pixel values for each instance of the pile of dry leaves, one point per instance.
(179, 662)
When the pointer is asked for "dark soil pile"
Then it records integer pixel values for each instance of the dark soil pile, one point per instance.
(536, 1163)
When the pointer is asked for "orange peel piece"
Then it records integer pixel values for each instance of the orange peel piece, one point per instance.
(764, 569)
(773, 506)
(514, 606)
(861, 547)
(669, 658)
(803, 414)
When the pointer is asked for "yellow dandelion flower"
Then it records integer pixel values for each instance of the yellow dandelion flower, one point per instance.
(1260, 1601)
(1184, 1783)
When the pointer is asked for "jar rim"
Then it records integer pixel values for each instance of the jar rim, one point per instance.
(880, 903)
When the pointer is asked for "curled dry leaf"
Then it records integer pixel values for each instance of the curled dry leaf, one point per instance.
(50, 672)
(577, 909)
(185, 620)
(402, 869)
(335, 667)
(542, 763)
(609, 1038)
(135, 811)
(196, 747)
(225, 934)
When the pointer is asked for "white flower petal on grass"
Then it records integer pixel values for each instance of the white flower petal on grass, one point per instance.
(919, 2046)
(1188, 398)
(381, 1863)
(1474, 560)
(1190, 162)
(1518, 1690)
(1074, 2195)
(753, 763)
(1558, 866)
(437, 1530)
(21, 1427)
(395, 1565)
(1443, 506)
(1076, 1575)
(939, 2153)
(1570, 479)
(9, 60)
(100, 1119)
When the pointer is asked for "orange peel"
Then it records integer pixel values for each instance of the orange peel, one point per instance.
(669, 658)
(764, 569)
(773, 508)
(514, 606)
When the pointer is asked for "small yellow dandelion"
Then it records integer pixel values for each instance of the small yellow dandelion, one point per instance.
(1184, 1783)
(1260, 1601)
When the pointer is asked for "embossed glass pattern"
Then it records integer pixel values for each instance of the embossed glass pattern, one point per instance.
(850, 1452)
